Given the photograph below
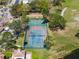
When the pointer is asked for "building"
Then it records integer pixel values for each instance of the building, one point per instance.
(5, 15)
(25, 1)
(21, 54)
(18, 1)
(1, 56)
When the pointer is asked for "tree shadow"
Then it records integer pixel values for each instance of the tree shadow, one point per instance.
(73, 55)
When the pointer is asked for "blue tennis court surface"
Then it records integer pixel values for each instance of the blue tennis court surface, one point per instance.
(37, 34)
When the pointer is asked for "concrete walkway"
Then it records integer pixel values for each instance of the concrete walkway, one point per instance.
(63, 11)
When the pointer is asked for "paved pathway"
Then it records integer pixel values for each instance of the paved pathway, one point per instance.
(63, 11)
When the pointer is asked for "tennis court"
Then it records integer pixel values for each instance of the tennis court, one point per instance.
(37, 34)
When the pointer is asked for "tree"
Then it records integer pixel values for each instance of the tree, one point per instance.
(19, 25)
(3, 2)
(7, 36)
(7, 41)
(56, 22)
(77, 34)
(45, 20)
(24, 22)
(16, 24)
(40, 5)
(19, 9)
(57, 2)
(48, 42)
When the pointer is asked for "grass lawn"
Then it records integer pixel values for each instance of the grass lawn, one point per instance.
(20, 40)
(68, 15)
(72, 4)
(8, 53)
(65, 41)
(0, 37)
(38, 53)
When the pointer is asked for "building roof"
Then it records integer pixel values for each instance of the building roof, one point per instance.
(18, 53)
(21, 54)
(1, 56)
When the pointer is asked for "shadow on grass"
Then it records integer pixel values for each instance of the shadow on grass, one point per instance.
(73, 55)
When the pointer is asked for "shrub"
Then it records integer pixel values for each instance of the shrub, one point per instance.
(56, 22)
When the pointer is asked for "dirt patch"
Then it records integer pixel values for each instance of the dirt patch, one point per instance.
(35, 15)
(76, 15)
(69, 29)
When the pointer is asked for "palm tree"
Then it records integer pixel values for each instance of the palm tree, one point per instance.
(7, 36)
(58, 2)
(19, 9)
(4, 2)
(7, 41)
(40, 6)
